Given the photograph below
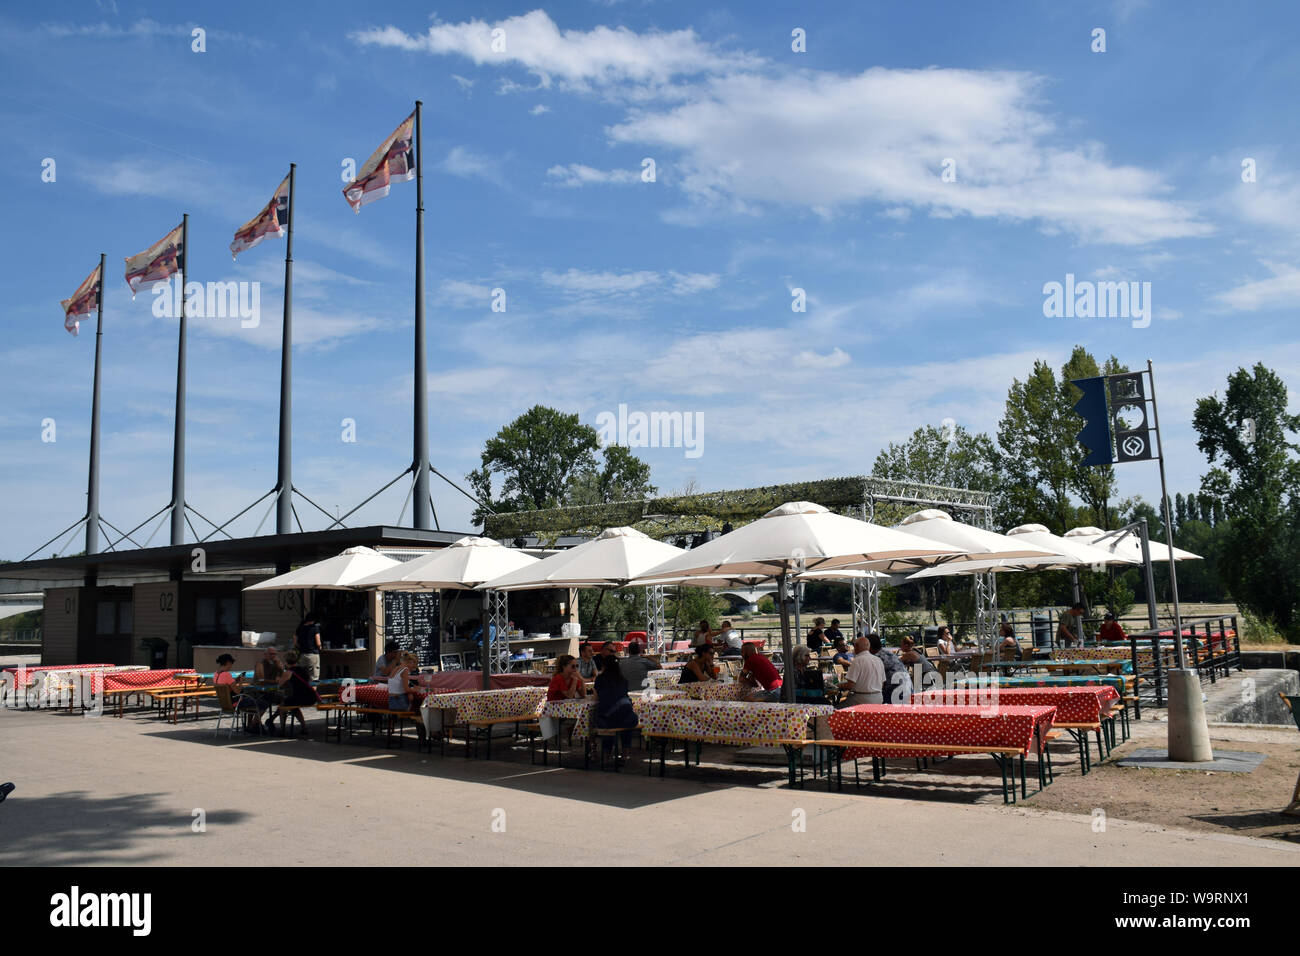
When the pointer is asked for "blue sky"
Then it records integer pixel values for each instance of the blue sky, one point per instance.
(775, 170)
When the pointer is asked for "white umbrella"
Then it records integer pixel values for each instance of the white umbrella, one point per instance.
(980, 546)
(1127, 546)
(1064, 554)
(611, 559)
(793, 538)
(465, 563)
(339, 572)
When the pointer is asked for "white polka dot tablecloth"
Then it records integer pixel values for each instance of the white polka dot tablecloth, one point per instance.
(1001, 726)
(731, 722)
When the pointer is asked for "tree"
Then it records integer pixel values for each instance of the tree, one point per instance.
(624, 477)
(955, 459)
(1180, 510)
(1042, 460)
(1256, 473)
(545, 458)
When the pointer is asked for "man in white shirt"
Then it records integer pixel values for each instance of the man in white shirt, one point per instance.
(731, 638)
(865, 679)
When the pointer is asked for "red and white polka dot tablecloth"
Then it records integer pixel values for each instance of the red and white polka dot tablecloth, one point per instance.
(1074, 705)
(1002, 726)
(376, 695)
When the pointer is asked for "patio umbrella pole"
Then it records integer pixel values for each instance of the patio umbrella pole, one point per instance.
(485, 644)
(787, 648)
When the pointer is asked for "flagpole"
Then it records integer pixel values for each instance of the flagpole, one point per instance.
(92, 485)
(178, 442)
(284, 504)
(420, 515)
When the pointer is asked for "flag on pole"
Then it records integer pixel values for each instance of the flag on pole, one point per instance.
(269, 222)
(164, 258)
(84, 301)
(394, 161)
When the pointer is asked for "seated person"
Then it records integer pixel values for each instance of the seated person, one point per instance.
(897, 688)
(608, 652)
(567, 684)
(1008, 646)
(761, 674)
(386, 659)
(224, 675)
(909, 655)
(865, 680)
(1111, 629)
(298, 692)
(636, 667)
(945, 643)
(269, 668)
(731, 641)
(587, 667)
(843, 655)
(699, 669)
(809, 686)
(613, 706)
(703, 634)
(401, 676)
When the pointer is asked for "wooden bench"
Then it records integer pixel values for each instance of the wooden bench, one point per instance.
(1080, 734)
(1003, 756)
(392, 719)
(169, 700)
(521, 721)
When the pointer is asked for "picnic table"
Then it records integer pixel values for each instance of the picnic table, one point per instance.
(1116, 681)
(1002, 732)
(730, 723)
(482, 710)
(1079, 710)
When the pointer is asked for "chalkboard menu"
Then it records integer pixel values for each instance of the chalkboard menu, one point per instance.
(411, 619)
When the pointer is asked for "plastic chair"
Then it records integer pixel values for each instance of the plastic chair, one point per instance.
(232, 706)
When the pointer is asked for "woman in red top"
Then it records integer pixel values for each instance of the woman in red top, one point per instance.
(567, 682)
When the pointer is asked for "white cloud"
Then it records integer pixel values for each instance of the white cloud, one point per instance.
(465, 83)
(1280, 290)
(576, 174)
(828, 142)
(460, 294)
(539, 109)
(576, 280)
(689, 283)
(579, 59)
(467, 164)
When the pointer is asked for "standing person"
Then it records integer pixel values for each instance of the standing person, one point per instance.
(1069, 626)
(567, 682)
(762, 675)
(637, 667)
(816, 635)
(307, 641)
(865, 680)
